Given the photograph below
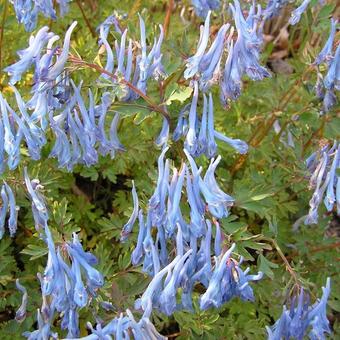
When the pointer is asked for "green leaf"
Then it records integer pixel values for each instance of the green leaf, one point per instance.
(265, 266)
(35, 251)
(181, 94)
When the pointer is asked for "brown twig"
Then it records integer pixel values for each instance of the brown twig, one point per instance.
(153, 106)
(88, 24)
(285, 260)
(168, 17)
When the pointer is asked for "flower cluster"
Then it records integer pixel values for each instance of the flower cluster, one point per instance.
(27, 11)
(324, 179)
(78, 124)
(273, 8)
(69, 278)
(202, 7)
(222, 277)
(135, 69)
(200, 134)
(68, 283)
(326, 86)
(8, 204)
(243, 55)
(295, 322)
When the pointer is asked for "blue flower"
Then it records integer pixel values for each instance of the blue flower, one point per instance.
(129, 225)
(326, 52)
(202, 7)
(29, 55)
(58, 67)
(13, 211)
(3, 210)
(295, 322)
(39, 208)
(20, 314)
(322, 166)
(191, 137)
(194, 61)
(296, 14)
(213, 294)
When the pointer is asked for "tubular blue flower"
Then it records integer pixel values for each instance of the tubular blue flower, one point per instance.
(326, 52)
(94, 277)
(213, 294)
(182, 123)
(59, 65)
(39, 208)
(11, 140)
(163, 137)
(167, 298)
(273, 8)
(209, 66)
(129, 225)
(329, 100)
(80, 295)
(46, 8)
(88, 257)
(238, 144)
(196, 218)
(2, 148)
(20, 314)
(61, 148)
(63, 6)
(332, 78)
(110, 58)
(194, 61)
(3, 210)
(322, 166)
(231, 84)
(138, 252)
(153, 289)
(157, 200)
(218, 239)
(191, 138)
(202, 136)
(218, 201)
(330, 198)
(175, 202)
(150, 64)
(106, 25)
(211, 144)
(29, 55)
(13, 211)
(296, 14)
(202, 7)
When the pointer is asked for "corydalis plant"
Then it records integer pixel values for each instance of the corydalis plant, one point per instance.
(192, 236)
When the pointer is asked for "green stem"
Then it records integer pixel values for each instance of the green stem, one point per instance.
(3, 21)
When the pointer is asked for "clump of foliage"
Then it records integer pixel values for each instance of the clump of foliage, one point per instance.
(170, 169)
